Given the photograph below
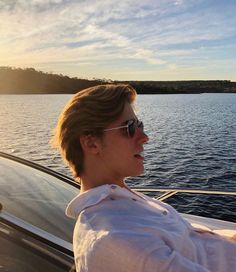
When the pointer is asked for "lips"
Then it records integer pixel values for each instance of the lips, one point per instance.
(139, 155)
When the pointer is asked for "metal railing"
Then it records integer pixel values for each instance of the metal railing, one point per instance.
(168, 192)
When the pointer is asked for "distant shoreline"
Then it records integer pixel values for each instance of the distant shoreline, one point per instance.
(34, 93)
(30, 81)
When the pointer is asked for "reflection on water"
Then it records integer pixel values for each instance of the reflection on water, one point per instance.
(192, 137)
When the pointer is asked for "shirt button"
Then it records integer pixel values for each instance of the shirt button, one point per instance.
(111, 198)
(134, 199)
(113, 187)
(164, 212)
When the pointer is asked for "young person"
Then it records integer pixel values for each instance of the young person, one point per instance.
(118, 230)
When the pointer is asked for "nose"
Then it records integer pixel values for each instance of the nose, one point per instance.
(142, 136)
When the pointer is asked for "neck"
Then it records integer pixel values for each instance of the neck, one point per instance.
(96, 173)
(89, 183)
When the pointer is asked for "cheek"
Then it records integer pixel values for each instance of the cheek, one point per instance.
(119, 155)
(119, 148)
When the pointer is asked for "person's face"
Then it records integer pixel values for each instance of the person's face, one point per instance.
(122, 155)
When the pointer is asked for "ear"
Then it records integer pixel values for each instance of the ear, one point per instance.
(90, 144)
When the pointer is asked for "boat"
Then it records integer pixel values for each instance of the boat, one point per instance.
(35, 234)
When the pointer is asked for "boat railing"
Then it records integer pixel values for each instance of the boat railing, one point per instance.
(168, 192)
(160, 193)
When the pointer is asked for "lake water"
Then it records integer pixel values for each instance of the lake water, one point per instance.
(192, 142)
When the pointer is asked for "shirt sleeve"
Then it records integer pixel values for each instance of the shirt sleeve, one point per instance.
(119, 254)
(165, 259)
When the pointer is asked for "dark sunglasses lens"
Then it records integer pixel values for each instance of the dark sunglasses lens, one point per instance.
(131, 129)
(140, 125)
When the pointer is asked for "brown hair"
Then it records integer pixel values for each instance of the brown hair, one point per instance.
(89, 112)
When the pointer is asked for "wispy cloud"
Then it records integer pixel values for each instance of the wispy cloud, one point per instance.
(111, 37)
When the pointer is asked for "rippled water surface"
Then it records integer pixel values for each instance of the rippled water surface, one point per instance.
(192, 142)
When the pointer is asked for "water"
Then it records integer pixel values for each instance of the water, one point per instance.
(192, 142)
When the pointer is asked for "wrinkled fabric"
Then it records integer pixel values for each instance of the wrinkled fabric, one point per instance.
(121, 231)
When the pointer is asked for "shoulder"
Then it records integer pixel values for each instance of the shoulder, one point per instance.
(109, 210)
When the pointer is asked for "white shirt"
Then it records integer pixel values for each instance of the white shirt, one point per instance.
(121, 231)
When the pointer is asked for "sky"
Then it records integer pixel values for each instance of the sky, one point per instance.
(121, 40)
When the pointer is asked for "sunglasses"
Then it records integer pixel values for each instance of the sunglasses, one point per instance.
(131, 126)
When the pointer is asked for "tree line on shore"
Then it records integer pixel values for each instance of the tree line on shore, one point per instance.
(30, 81)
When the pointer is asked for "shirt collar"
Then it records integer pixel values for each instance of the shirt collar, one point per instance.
(96, 195)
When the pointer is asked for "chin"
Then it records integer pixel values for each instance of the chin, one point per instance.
(138, 172)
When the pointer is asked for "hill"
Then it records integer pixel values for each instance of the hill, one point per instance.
(30, 81)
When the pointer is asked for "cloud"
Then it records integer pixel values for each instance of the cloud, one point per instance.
(151, 33)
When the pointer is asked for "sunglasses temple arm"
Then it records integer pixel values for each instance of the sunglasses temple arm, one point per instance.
(115, 128)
